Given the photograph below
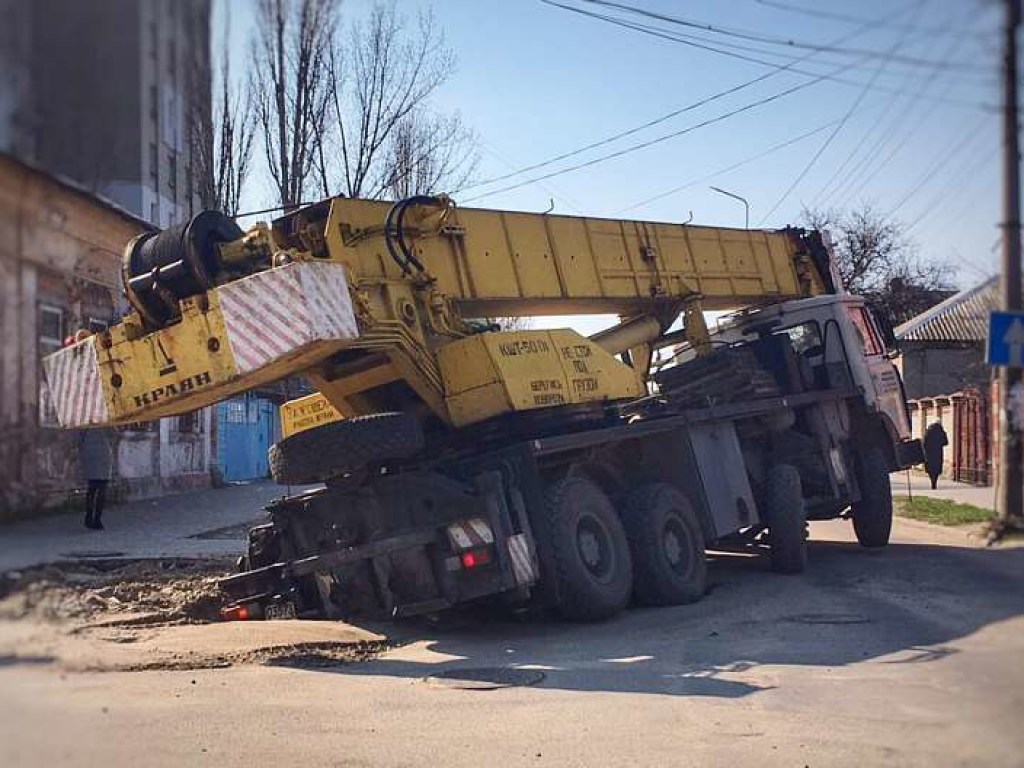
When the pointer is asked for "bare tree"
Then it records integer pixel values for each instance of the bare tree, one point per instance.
(222, 140)
(384, 139)
(427, 153)
(877, 260)
(292, 53)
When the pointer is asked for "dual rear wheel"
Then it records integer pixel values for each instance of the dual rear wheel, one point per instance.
(654, 550)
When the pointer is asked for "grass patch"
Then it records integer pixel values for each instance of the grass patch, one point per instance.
(941, 511)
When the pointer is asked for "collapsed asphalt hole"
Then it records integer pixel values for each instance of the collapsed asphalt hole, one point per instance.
(828, 618)
(485, 678)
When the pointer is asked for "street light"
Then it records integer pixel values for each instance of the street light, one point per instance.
(743, 200)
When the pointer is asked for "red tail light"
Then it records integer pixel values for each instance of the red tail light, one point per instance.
(237, 613)
(477, 557)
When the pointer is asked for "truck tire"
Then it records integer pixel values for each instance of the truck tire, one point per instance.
(592, 565)
(332, 449)
(667, 545)
(872, 515)
(786, 518)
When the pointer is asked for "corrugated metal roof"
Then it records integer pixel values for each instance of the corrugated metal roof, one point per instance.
(961, 317)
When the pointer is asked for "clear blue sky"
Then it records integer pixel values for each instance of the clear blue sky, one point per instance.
(912, 135)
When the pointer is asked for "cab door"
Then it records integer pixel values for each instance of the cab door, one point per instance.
(883, 389)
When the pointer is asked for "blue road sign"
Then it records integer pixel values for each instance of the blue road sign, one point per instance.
(1006, 339)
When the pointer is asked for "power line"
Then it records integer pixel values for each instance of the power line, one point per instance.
(943, 157)
(777, 69)
(853, 107)
(754, 37)
(884, 138)
(727, 169)
(676, 38)
(849, 18)
(965, 175)
(657, 140)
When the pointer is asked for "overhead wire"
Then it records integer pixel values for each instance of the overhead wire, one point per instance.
(662, 138)
(943, 156)
(776, 70)
(789, 43)
(851, 19)
(867, 169)
(842, 122)
(865, 135)
(727, 169)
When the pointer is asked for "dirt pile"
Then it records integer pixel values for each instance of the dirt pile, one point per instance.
(165, 591)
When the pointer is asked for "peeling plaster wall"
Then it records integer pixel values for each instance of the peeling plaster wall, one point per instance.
(61, 248)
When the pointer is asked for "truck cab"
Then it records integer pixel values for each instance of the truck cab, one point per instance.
(837, 344)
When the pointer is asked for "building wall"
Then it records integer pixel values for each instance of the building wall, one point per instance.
(930, 370)
(59, 271)
(105, 93)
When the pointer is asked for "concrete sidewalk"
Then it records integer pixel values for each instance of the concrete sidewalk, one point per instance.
(209, 523)
(919, 485)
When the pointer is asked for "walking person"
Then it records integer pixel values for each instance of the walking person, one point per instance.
(96, 456)
(935, 440)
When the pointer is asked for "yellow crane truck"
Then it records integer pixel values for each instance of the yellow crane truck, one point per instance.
(460, 461)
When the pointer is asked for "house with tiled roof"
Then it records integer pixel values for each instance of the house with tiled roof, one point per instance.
(947, 380)
(944, 347)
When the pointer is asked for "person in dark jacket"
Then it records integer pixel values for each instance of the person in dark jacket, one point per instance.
(97, 458)
(935, 440)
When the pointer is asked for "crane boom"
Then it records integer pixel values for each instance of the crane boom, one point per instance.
(383, 307)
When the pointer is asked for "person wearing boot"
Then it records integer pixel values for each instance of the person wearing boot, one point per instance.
(96, 457)
(935, 440)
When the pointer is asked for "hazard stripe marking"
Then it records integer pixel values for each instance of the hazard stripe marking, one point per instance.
(73, 380)
(522, 560)
(277, 312)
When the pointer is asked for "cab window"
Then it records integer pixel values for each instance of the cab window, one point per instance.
(866, 332)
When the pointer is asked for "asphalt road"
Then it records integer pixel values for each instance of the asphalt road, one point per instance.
(909, 656)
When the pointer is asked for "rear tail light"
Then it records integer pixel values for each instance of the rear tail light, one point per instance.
(244, 612)
(474, 558)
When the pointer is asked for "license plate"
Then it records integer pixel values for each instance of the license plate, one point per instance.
(285, 610)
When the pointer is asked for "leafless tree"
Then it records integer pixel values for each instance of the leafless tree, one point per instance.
(292, 53)
(879, 261)
(222, 140)
(428, 153)
(383, 139)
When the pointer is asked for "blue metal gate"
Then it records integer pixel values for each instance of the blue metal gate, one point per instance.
(247, 425)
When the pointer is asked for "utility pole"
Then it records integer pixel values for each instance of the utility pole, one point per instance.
(1011, 447)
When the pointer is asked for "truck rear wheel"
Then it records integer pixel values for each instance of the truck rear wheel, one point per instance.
(667, 544)
(332, 449)
(786, 518)
(872, 515)
(592, 565)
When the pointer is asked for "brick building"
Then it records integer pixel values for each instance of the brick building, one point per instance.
(60, 250)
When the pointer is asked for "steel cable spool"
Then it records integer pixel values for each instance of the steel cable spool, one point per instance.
(162, 268)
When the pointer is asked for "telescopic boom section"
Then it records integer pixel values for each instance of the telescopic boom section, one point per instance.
(390, 307)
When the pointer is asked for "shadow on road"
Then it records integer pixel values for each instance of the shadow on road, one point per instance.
(906, 604)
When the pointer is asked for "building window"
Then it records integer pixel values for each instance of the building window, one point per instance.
(188, 423)
(172, 58)
(154, 41)
(154, 161)
(51, 338)
(154, 214)
(153, 99)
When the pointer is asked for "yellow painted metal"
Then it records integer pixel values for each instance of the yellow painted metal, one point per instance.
(494, 263)
(495, 373)
(414, 342)
(306, 413)
(184, 366)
